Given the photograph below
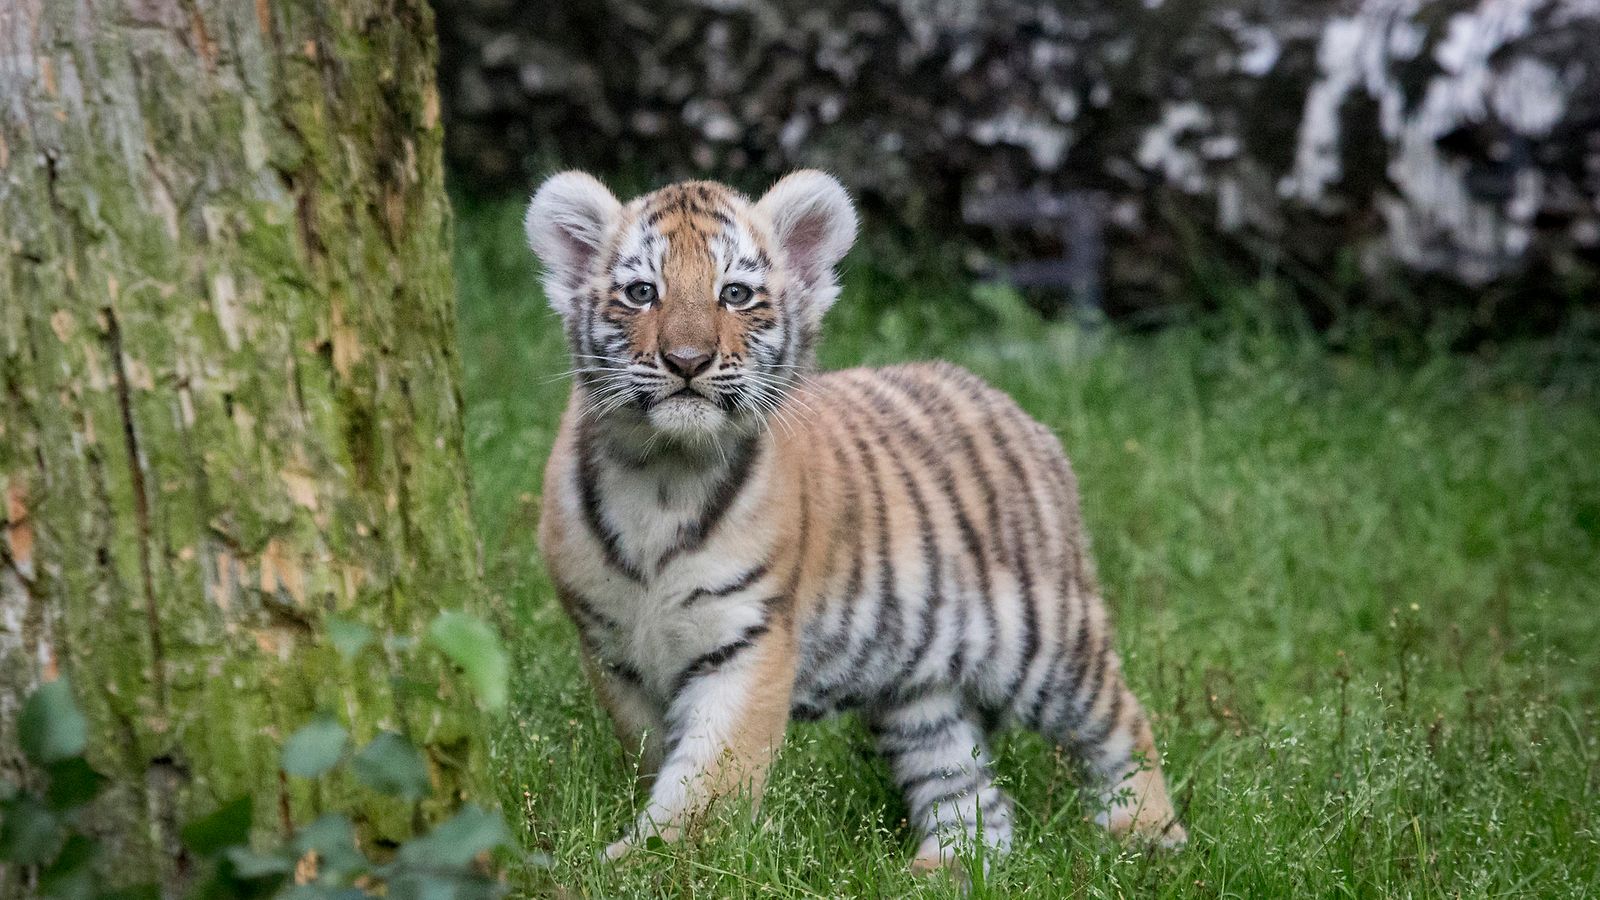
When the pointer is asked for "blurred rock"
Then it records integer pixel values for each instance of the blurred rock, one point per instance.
(1410, 156)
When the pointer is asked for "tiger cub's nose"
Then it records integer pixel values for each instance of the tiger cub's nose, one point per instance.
(687, 362)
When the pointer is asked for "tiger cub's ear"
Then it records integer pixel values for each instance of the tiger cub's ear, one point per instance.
(567, 224)
(815, 224)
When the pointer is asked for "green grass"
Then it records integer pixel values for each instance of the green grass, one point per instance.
(1361, 601)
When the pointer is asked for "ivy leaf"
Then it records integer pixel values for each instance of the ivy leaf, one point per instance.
(333, 838)
(470, 643)
(73, 782)
(429, 886)
(228, 827)
(348, 637)
(50, 727)
(314, 891)
(71, 875)
(457, 841)
(390, 765)
(248, 863)
(29, 832)
(315, 748)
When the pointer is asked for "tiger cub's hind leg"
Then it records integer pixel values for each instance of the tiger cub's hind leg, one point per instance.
(1102, 724)
(937, 753)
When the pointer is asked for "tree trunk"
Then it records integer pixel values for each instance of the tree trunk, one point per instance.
(1378, 150)
(230, 404)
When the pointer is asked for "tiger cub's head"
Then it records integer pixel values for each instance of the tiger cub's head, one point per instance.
(691, 311)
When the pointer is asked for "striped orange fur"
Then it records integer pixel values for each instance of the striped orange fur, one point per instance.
(742, 539)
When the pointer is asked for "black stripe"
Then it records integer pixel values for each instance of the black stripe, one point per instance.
(802, 541)
(1074, 608)
(626, 673)
(923, 779)
(732, 587)
(958, 655)
(786, 355)
(805, 712)
(709, 662)
(1020, 554)
(1047, 684)
(727, 490)
(842, 639)
(997, 800)
(917, 734)
(973, 782)
(585, 608)
(1080, 656)
(844, 531)
(1068, 567)
(935, 595)
(940, 411)
(1106, 722)
(588, 489)
(1082, 698)
(885, 634)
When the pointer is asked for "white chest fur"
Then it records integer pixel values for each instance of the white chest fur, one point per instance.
(650, 554)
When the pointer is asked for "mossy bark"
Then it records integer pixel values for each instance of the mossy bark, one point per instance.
(229, 398)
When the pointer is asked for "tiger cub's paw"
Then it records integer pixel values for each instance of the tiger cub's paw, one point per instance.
(617, 850)
(1149, 827)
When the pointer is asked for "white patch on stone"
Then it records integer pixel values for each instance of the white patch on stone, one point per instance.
(1435, 221)
(1064, 102)
(794, 132)
(712, 119)
(1045, 140)
(1259, 50)
(1230, 204)
(1353, 52)
(1160, 149)
(1529, 96)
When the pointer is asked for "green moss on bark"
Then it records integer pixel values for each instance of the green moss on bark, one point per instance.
(229, 397)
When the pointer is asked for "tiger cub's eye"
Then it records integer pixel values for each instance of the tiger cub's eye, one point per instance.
(640, 294)
(737, 296)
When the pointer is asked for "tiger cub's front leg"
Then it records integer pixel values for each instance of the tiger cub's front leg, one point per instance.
(725, 719)
(635, 715)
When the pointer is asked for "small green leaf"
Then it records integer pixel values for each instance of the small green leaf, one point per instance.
(248, 863)
(228, 827)
(50, 727)
(390, 765)
(426, 886)
(655, 844)
(348, 637)
(71, 875)
(457, 841)
(314, 891)
(29, 832)
(315, 748)
(471, 644)
(73, 782)
(333, 837)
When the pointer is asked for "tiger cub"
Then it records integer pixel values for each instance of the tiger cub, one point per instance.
(742, 539)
